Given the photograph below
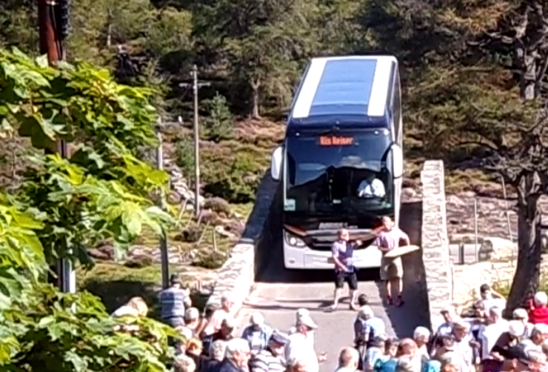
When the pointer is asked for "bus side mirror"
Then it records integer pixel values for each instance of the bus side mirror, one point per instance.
(276, 163)
(397, 158)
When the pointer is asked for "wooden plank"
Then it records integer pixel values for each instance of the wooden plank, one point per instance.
(400, 251)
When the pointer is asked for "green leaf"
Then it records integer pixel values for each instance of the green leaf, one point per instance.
(78, 363)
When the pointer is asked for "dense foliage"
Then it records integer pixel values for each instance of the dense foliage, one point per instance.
(66, 205)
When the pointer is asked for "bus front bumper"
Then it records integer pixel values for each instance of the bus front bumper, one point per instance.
(308, 259)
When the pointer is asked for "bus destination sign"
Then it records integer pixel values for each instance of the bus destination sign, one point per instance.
(336, 141)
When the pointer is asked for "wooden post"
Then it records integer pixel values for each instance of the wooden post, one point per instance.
(52, 45)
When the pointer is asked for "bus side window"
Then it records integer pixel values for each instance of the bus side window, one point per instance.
(396, 106)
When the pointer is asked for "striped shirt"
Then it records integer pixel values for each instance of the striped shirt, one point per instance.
(265, 361)
(172, 302)
(257, 338)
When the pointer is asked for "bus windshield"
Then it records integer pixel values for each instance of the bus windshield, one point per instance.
(340, 171)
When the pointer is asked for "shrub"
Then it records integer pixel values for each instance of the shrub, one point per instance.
(190, 235)
(240, 182)
(185, 156)
(139, 261)
(210, 260)
(212, 218)
(220, 123)
(217, 205)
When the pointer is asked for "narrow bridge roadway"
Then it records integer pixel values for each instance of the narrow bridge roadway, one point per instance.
(279, 293)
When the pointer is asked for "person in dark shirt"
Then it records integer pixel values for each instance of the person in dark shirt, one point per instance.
(194, 351)
(174, 301)
(237, 357)
(217, 355)
(224, 334)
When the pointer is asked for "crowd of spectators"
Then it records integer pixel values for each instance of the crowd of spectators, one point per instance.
(483, 342)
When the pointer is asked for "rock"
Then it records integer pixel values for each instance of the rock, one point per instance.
(140, 260)
(466, 194)
(174, 198)
(408, 193)
(490, 190)
(236, 227)
(99, 255)
(103, 252)
(496, 249)
(138, 250)
(212, 218)
(176, 174)
(227, 234)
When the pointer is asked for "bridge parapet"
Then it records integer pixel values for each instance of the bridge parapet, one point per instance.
(435, 242)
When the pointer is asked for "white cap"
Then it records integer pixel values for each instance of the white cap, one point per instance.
(520, 314)
(516, 328)
(302, 312)
(421, 332)
(540, 298)
(541, 328)
(256, 319)
(307, 321)
(192, 314)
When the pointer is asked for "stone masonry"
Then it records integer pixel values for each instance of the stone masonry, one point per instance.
(435, 243)
(469, 277)
(237, 276)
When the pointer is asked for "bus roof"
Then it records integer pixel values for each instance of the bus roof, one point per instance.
(352, 87)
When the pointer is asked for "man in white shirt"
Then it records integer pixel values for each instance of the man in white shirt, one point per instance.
(539, 334)
(300, 347)
(371, 187)
(490, 333)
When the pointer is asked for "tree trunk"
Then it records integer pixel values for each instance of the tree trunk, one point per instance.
(527, 276)
(255, 85)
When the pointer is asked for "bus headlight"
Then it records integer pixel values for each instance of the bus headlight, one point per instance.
(294, 241)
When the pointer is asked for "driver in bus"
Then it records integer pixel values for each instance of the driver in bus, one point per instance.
(371, 187)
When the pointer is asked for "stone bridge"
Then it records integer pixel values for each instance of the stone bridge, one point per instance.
(256, 276)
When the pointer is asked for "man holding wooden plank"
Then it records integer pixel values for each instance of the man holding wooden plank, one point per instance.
(388, 240)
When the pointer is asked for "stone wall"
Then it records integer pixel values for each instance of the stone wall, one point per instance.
(435, 244)
(470, 277)
(237, 275)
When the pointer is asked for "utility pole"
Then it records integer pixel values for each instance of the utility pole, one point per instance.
(164, 252)
(53, 19)
(196, 85)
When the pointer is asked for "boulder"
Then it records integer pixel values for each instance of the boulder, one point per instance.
(496, 249)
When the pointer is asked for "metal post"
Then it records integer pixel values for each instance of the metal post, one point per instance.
(476, 226)
(52, 45)
(164, 253)
(461, 254)
(196, 144)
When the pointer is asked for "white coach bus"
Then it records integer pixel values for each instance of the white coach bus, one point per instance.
(341, 162)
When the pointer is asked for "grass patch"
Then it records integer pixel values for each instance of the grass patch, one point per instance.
(115, 284)
(243, 209)
(504, 288)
